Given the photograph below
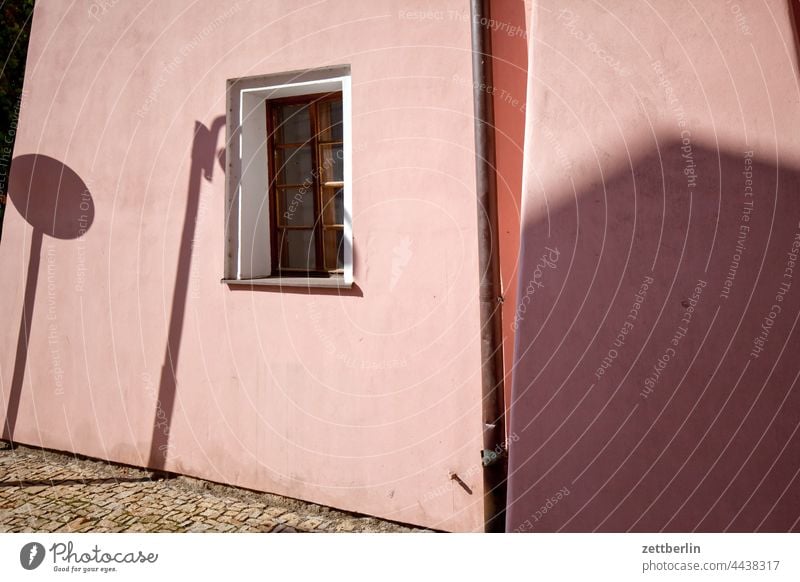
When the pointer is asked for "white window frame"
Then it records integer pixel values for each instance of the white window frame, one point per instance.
(247, 220)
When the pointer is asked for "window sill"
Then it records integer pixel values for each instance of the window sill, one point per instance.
(304, 282)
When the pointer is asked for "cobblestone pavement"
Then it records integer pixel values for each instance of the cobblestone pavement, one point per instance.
(43, 491)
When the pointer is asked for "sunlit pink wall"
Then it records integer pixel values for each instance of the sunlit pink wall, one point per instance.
(365, 402)
(660, 210)
(510, 72)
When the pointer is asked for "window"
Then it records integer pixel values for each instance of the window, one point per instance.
(306, 157)
(289, 186)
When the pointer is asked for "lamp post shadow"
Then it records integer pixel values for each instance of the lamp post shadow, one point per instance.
(204, 155)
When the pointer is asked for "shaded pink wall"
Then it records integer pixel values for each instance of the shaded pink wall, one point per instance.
(656, 384)
(364, 401)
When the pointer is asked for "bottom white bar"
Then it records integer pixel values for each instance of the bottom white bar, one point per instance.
(457, 557)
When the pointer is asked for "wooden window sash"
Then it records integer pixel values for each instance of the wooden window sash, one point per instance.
(319, 227)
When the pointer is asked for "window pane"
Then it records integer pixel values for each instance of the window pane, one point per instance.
(296, 206)
(334, 249)
(332, 163)
(330, 120)
(293, 124)
(333, 206)
(297, 250)
(294, 165)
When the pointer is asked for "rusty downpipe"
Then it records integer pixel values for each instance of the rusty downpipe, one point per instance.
(495, 466)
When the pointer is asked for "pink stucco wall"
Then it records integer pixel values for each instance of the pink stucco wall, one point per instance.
(656, 379)
(365, 400)
(510, 72)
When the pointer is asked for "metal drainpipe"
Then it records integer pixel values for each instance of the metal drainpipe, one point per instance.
(495, 466)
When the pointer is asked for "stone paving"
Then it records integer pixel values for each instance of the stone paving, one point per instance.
(42, 491)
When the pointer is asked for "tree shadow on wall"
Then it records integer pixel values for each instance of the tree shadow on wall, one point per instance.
(655, 386)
